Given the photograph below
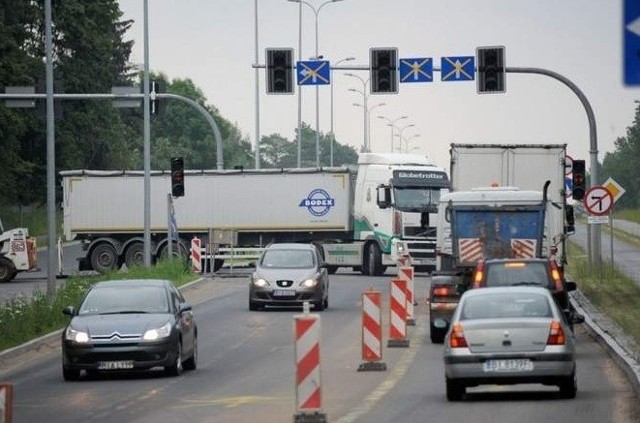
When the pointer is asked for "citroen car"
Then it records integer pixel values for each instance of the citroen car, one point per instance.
(126, 325)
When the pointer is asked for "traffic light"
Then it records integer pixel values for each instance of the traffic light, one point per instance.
(158, 105)
(579, 180)
(491, 70)
(279, 71)
(177, 177)
(383, 70)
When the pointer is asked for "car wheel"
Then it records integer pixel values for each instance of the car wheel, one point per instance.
(319, 305)
(70, 373)
(455, 390)
(436, 335)
(192, 362)
(568, 387)
(326, 302)
(176, 368)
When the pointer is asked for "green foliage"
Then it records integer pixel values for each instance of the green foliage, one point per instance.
(622, 164)
(608, 289)
(628, 214)
(22, 320)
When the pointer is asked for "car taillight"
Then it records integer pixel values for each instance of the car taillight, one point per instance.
(556, 277)
(457, 340)
(478, 275)
(442, 291)
(556, 334)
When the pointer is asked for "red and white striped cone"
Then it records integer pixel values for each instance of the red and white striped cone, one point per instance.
(371, 332)
(307, 355)
(196, 255)
(408, 274)
(398, 310)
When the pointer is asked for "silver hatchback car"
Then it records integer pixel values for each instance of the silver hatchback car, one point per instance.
(289, 275)
(509, 335)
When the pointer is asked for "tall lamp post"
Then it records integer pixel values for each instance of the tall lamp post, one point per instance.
(400, 131)
(365, 96)
(392, 124)
(316, 12)
(406, 142)
(368, 111)
(333, 137)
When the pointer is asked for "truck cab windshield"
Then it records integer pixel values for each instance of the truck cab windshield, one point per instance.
(416, 199)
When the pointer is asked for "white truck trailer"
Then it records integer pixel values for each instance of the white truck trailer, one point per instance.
(252, 208)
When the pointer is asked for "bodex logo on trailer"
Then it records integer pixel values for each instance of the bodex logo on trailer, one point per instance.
(318, 202)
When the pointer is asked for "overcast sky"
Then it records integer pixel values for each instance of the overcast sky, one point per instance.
(213, 43)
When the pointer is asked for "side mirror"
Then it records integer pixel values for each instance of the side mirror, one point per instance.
(571, 286)
(185, 307)
(383, 196)
(69, 311)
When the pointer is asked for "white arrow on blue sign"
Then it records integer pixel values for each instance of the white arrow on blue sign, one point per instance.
(632, 42)
(416, 70)
(457, 68)
(314, 72)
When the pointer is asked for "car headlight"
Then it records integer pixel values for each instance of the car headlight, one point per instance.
(260, 283)
(309, 283)
(78, 336)
(154, 334)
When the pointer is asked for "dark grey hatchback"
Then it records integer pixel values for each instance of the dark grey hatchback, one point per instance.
(130, 325)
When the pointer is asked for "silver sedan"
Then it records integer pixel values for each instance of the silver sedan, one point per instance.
(509, 335)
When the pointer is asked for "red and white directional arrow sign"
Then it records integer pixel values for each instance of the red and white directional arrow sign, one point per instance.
(598, 201)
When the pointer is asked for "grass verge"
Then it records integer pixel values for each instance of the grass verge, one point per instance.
(24, 319)
(608, 289)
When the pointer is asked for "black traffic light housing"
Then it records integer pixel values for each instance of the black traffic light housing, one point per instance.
(383, 70)
(491, 70)
(279, 70)
(177, 176)
(579, 179)
(158, 105)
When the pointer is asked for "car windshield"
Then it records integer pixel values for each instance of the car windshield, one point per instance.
(125, 299)
(290, 259)
(505, 305)
(517, 273)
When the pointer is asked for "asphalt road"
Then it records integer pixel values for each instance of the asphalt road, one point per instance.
(246, 374)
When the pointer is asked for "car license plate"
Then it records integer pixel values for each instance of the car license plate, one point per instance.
(284, 293)
(115, 365)
(509, 365)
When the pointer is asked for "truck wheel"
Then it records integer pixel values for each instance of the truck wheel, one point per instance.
(104, 258)
(134, 256)
(7, 270)
(373, 261)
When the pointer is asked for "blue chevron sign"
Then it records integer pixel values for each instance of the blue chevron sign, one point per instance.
(314, 72)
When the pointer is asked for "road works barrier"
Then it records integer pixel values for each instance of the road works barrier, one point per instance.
(6, 402)
(307, 355)
(371, 332)
(407, 273)
(196, 255)
(398, 311)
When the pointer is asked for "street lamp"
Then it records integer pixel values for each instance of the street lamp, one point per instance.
(316, 11)
(365, 146)
(392, 124)
(401, 130)
(333, 137)
(406, 143)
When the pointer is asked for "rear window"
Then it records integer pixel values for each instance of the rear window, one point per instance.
(517, 273)
(505, 305)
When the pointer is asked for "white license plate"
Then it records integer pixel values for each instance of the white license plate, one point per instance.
(115, 365)
(508, 365)
(284, 293)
